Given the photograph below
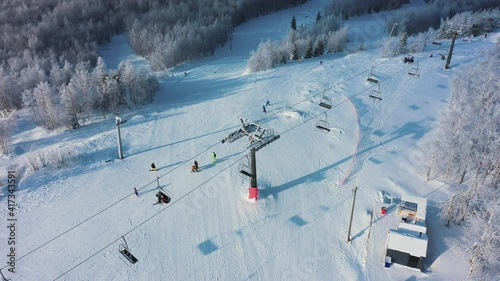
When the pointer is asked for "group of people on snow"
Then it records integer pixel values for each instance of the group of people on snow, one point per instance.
(408, 59)
(264, 106)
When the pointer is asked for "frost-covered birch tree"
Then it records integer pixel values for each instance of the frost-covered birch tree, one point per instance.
(464, 146)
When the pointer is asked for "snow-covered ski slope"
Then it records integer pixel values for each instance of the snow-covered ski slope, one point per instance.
(71, 220)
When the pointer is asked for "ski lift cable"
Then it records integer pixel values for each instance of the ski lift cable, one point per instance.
(106, 208)
(201, 184)
(209, 148)
(347, 99)
(346, 80)
(148, 219)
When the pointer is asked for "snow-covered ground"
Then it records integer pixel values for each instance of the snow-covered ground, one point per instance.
(70, 220)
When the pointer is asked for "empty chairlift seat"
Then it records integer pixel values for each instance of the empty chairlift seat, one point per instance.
(325, 102)
(372, 78)
(125, 251)
(323, 124)
(414, 71)
(376, 94)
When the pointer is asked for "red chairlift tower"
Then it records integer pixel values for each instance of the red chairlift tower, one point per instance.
(258, 138)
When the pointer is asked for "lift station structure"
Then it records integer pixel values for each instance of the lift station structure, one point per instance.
(258, 138)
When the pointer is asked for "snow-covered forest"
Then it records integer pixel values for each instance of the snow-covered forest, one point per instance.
(49, 49)
(465, 145)
(411, 29)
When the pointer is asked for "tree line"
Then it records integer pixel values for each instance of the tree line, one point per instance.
(193, 29)
(420, 19)
(324, 36)
(48, 49)
(465, 145)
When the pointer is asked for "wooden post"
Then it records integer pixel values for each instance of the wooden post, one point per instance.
(448, 60)
(352, 213)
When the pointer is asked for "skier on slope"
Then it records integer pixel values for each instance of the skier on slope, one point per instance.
(264, 108)
(214, 157)
(196, 164)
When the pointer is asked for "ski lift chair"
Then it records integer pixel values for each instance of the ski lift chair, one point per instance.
(244, 171)
(414, 71)
(3, 277)
(372, 77)
(376, 94)
(125, 251)
(163, 198)
(323, 124)
(325, 102)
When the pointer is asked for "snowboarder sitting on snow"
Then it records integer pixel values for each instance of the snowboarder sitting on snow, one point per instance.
(194, 169)
(153, 166)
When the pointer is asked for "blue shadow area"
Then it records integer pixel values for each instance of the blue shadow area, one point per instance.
(207, 247)
(375, 160)
(298, 221)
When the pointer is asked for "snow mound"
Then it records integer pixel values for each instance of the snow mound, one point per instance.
(294, 114)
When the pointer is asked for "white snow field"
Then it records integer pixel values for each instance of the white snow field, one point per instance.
(70, 220)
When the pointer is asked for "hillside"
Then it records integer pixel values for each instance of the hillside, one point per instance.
(71, 219)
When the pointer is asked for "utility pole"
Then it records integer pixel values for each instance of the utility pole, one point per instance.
(119, 121)
(253, 191)
(352, 213)
(448, 59)
(455, 32)
(259, 137)
(392, 30)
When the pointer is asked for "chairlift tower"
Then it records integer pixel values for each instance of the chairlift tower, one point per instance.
(119, 121)
(455, 32)
(258, 137)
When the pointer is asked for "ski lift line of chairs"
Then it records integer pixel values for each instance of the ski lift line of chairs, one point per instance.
(372, 77)
(414, 71)
(125, 251)
(376, 94)
(323, 124)
(325, 102)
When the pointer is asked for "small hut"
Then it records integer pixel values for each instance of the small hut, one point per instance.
(407, 245)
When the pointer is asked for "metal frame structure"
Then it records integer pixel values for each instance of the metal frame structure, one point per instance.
(259, 137)
(118, 122)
